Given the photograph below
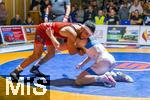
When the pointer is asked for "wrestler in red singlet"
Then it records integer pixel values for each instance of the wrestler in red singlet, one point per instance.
(42, 37)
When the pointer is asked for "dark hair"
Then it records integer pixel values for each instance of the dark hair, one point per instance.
(2, 3)
(137, 10)
(90, 25)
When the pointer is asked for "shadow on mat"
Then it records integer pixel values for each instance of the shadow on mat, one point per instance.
(69, 82)
(64, 82)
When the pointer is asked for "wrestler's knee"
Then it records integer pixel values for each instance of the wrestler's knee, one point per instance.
(50, 55)
(36, 55)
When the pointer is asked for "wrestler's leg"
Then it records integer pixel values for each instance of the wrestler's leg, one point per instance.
(37, 52)
(98, 72)
(49, 54)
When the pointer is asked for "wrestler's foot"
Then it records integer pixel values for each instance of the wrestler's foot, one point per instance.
(109, 80)
(15, 75)
(36, 71)
(121, 77)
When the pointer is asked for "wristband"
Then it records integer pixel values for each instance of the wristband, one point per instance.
(46, 15)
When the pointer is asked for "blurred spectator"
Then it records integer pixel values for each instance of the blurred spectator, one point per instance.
(100, 4)
(142, 3)
(35, 12)
(29, 20)
(16, 20)
(100, 18)
(44, 5)
(89, 14)
(111, 6)
(147, 14)
(104, 5)
(80, 15)
(136, 6)
(85, 5)
(147, 20)
(73, 14)
(112, 18)
(56, 10)
(95, 6)
(0, 40)
(60, 10)
(125, 2)
(124, 14)
(33, 2)
(136, 18)
(35, 6)
(3, 14)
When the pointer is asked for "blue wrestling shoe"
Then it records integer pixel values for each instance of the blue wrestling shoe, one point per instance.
(121, 77)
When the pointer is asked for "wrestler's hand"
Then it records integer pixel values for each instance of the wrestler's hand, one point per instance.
(81, 51)
(50, 32)
(77, 42)
(65, 19)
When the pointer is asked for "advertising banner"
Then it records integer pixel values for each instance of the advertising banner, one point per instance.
(12, 34)
(30, 32)
(144, 35)
(123, 34)
(100, 33)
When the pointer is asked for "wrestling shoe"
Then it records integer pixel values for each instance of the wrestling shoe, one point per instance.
(121, 77)
(36, 71)
(15, 75)
(108, 80)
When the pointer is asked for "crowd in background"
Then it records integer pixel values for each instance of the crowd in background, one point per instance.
(113, 12)
(3, 14)
(109, 12)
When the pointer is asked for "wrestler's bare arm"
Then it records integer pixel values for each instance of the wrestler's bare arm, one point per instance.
(50, 33)
(71, 35)
(55, 42)
(69, 32)
(85, 61)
